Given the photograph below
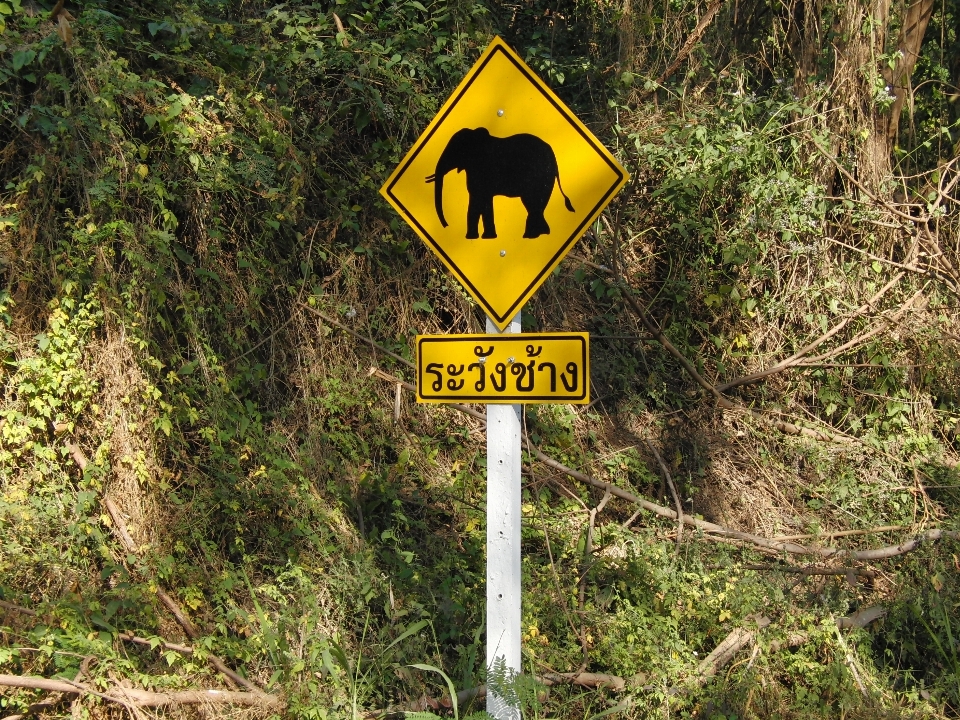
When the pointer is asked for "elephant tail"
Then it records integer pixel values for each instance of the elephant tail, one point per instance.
(566, 200)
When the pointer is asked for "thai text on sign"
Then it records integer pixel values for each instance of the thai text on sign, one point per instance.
(523, 368)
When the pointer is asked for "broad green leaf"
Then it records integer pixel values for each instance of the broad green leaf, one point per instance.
(22, 58)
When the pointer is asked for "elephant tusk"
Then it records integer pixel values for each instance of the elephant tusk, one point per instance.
(431, 178)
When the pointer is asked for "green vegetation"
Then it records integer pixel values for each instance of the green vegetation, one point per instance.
(187, 183)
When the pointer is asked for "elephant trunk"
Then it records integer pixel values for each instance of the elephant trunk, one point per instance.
(446, 163)
(438, 197)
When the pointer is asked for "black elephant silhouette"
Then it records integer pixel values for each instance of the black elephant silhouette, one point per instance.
(522, 166)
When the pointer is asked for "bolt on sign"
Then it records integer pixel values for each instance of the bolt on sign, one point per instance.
(504, 369)
(503, 182)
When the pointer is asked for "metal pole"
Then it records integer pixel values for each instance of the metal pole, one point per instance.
(503, 548)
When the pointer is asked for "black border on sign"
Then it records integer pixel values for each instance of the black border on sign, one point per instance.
(564, 247)
(506, 398)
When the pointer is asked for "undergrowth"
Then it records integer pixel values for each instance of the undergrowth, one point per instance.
(185, 183)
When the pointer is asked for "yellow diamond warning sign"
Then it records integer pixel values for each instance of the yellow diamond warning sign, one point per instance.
(503, 182)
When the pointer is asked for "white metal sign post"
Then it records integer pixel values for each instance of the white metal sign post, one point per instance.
(503, 547)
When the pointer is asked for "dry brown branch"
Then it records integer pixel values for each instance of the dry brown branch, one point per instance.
(584, 679)
(842, 533)
(355, 334)
(49, 703)
(673, 492)
(144, 698)
(182, 649)
(473, 695)
(686, 48)
(77, 454)
(862, 618)
(890, 551)
(792, 360)
(51, 700)
(879, 259)
(16, 608)
(173, 606)
(629, 521)
(119, 526)
(627, 294)
(724, 402)
(863, 337)
(732, 644)
(922, 219)
(789, 428)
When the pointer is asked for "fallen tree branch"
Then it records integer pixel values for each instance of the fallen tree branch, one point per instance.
(144, 698)
(709, 527)
(584, 679)
(726, 403)
(51, 701)
(479, 693)
(792, 360)
(863, 337)
(842, 533)
(16, 608)
(123, 534)
(182, 649)
(728, 648)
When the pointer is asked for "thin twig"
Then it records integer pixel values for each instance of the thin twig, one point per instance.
(673, 492)
(182, 649)
(921, 219)
(630, 520)
(357, 335)
(627, 294)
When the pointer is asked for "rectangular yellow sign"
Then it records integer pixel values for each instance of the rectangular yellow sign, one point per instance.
(504, 369)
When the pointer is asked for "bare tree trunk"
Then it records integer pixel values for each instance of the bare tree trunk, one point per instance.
(855, 79)
(915, 23)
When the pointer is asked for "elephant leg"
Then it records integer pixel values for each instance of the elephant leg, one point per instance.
(489, 228)
(473, 219)
(536, 222)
